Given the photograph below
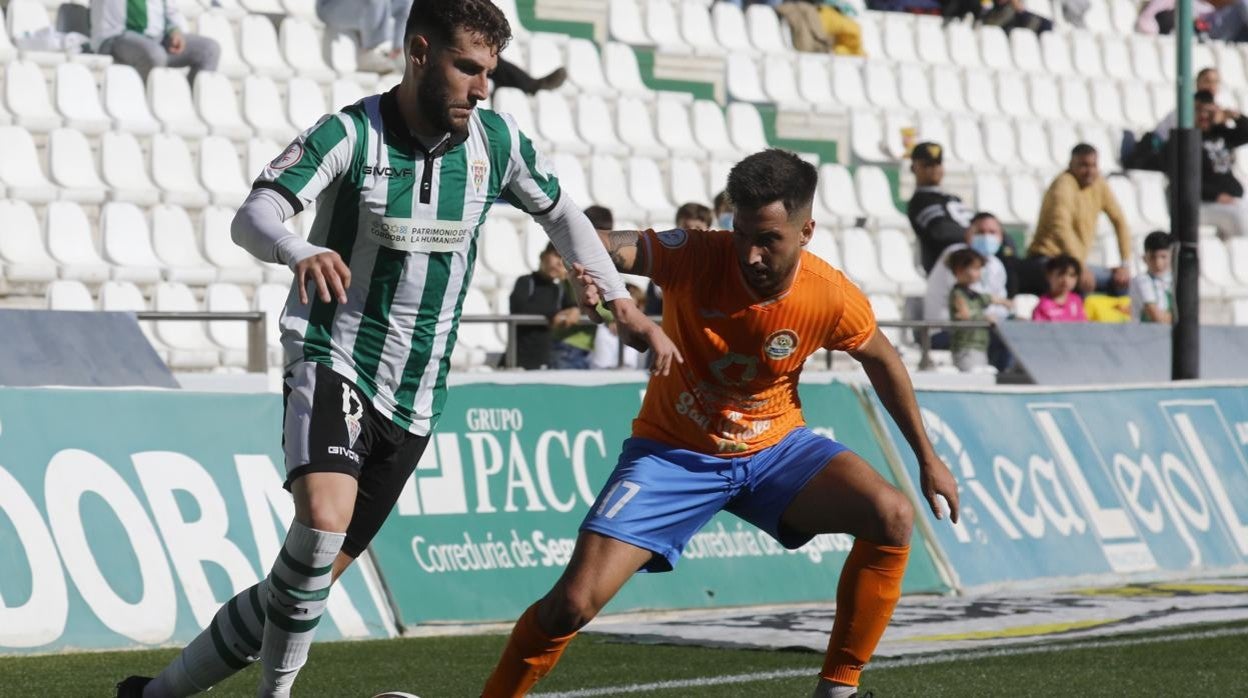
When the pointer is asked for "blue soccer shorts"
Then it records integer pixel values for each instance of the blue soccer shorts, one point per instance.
(658, 497)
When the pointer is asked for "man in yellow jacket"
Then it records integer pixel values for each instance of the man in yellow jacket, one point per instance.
(1067, 225)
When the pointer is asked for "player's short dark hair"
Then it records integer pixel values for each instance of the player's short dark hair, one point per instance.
(1204, 97)
(698, 212)
(770, 176)
(1062, 264)
(1081, 150)
(440, 19)
(1205, 71)
(983, 216)
(962, 258)
(601, 217)
(1157, 240)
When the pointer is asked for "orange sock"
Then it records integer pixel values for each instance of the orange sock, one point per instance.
(530, 654)
(865, 598)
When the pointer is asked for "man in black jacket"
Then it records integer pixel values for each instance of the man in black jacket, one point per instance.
(1221, 193)
(544, 292)
(939, 219)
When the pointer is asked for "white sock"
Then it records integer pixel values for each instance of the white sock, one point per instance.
(831, 689)
(298, 588)
(230, 643)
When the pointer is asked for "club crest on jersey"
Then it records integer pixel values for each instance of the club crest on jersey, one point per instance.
(352, 413)
(289, 157)
(781, 344)
(672, 239)
(479, 170)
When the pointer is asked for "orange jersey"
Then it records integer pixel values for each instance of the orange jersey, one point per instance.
(736, 393)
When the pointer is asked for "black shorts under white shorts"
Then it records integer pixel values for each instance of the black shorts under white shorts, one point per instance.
(330, 426)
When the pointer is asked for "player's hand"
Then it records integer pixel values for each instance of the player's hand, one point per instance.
(332, 276)
(566, 318)
(1122, 277)
(587, 292)
(935, 479)
(177, 43)
(642, 334)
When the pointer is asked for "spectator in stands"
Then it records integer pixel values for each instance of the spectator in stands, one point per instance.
(960, 9)
(606, 352)
(1157, 17)
(690, 216)
(805, 26)
(545, 292)
(939, 219)
(1229, 22)
(839, 24)
(723, 211)
(1013, 14)
(966, 302)
(1221, 193)
(1061, 303)
(150, 34)
(1152, 297)
(921, 7)
(376, 25)
(601, 217)
(1207, 80)
(1067, 226)
(985, 236)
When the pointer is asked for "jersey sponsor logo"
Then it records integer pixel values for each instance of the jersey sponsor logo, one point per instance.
(344, 452)
(735, 369)
(479, 170)
(399, 173)
(673, 239)
(781, 344)
(417, 235)
(289, 157)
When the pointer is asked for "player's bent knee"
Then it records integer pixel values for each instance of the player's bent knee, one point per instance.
(896, 519)
(566, 610)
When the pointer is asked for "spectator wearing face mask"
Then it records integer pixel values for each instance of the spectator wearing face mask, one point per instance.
(985, 236)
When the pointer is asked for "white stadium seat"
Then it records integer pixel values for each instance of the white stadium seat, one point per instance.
(1086, 55)
(125, 100)
(28, 18)
(814, 84)
(1025, 50)
(69, 242)
(730, 28)
(688, 183)
(1152, 194)
(1238, 249)
(7, 50)
(836, 193)
(697, 30)
(344, 93)
(968, 140)
(230, 337)
(1026, 196)
(663, 27)
(1076, 102)
(932, 127)
(501, 251)
(609, 187)
(173, 242)
(1045, 97)
(991, 196)
(625, 24)
(258, 39)
(301, 48)
(69, 295)
(645, 186)
(1117, 57)
(963, 46)
(1012, 95)
(929, 38)
(217, 104)
(847, 85)
(510, 100)
(260, 152)
(1000, 143)
(554, 123)
(636, 128)
(26, 94)
(711, 130)
(221, 172)
(72, 167)
(780, 83)
(78, 99)
(1063, 137)
(234, 264)
(994, 48)
(264, 110)
(914, 88)
(594, 122)
(898, 263)
(173, 173)
(23, 258)
(1033, 142)
(1230, 63)
(619, 63)
(545, 54)
(1137, 105)
(572, 178)
(823, 245)
(1146, 59)
(126, 241)
(125, 171)
(862, 262)
(20, 172)
(305, 103)
(947, 90)
(881, 85)
(981, 93)
(1107, 105)
(215, 25)
(763, 24)
(188, 345)
(1056, 52)
(584, 66)
(745, 125)
(479, 336)
(675, 128)
(171, 101)
(876, 196)
(898, 37)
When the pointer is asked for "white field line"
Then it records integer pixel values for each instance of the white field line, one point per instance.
(888, 664)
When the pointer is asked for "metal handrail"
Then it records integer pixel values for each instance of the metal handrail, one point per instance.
(257, 342)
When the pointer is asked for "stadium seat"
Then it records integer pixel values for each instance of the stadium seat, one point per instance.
(26, 18)
(619, 63)
(341, 52)
(1128, 200)
(663, 27)
(1216, 278)
(930, 43)
(258, 39)
(170, 97)
(188, 345)
(1107, 105)
(301, 49)
(572, 178)
(898, 37)
(688, 183)
(730, 30)
(126, 241)
(745, 125)
(545, 54)
(305, 103)
(303, 9)
(78, 99)
(69, 242)
(1230, 63)
(1024, 49)
(947, 90)
(1056, 51)
(868, 140)
(645, 186)
(173, 242)
(675, 131)
(20, 172)
(963, 45)
(1025, 198)
(1163, 100)
(271, 300)
(823, 245)
(234, 264)
(981, 93)
(847, 83)
(814, 84)
(554, 123)
(994, 48)
(501, 251)
(1000, 143)
(697, 30)
(26, 95)
(345, 93)
(763, 25)
(125, 100)
(23, 258)
(124, 170)
(1063, 137)
(837, 193)
(479, 336)
(1024, 305)
(1137, 106)
(625, 24)
(218, 106)
(780, 83)
(221, 172)
(862, 263)
(1076, 102)
(968, 140)
(584, 66)
(1238, 250)
(594, 122)
(1045, 97)
(875, 194)
(991, 196)
(260, 7)
(881, 85)
(914, 88)
(69, 295)
(264, 110)
(636, 128)
(1012, 95)
(932, 127)
(1151, 187)
(711, 130)
(534, 240)
(7, 51)
(230, 337)
(72, 167)
(513, 18)
(510, 100)
(1098, 137)
(898, 263)
(1086, 55)
(217, 26)
(1146, 59)
(1117, 57)
(609, 187)
(1033, 143)
(173, 173)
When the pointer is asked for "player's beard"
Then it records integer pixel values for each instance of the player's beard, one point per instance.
(434, 99)
(769, 282)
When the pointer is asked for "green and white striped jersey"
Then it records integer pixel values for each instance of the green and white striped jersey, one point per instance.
(406, 221)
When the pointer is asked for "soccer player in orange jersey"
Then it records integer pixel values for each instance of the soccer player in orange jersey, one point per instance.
(724, 429)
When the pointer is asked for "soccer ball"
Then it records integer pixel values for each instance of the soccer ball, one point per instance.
(395, 694)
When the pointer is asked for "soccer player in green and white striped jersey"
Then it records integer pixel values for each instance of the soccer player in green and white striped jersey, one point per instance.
(403, 182)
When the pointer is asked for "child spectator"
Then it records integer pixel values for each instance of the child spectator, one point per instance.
(606, 352)
(1061, 304)
(969, 347)
(1152, 299)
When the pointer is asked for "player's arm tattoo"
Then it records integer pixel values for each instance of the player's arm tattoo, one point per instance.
(624, 249)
